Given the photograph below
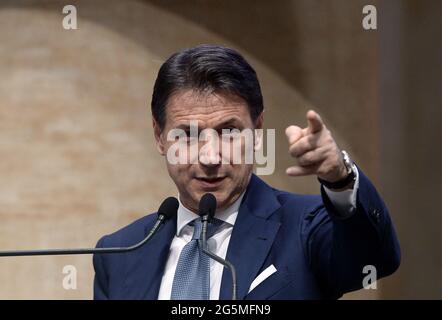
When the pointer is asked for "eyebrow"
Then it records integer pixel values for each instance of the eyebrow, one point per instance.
(234, 121)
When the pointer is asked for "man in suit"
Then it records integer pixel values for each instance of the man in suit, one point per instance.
(283, 245)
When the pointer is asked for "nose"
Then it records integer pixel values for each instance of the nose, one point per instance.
(209, 153)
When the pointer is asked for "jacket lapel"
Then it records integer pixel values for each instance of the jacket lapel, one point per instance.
(252, 237)
(144, 274)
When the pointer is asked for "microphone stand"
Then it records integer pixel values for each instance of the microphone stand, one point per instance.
(50, 252)
(225, 263)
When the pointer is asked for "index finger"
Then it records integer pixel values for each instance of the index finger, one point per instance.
(315, 123)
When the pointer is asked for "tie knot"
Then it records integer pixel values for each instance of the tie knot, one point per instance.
(197, 228)
(211, 228)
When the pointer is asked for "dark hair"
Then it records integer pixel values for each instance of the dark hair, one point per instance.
(206, 68)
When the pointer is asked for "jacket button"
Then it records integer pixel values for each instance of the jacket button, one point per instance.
(376, 215)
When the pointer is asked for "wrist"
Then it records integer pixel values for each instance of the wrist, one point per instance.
(347, 177)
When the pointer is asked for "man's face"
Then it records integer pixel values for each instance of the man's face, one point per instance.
(212, 170)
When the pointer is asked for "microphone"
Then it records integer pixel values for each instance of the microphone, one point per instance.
(206, 210)
(167, 210)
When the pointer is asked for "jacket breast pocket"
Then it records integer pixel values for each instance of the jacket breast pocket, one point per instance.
(271, 286)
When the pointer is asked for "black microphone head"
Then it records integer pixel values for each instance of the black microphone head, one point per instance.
(207, 205)
(169, 208)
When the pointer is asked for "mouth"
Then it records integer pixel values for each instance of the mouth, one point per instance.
(210, 182)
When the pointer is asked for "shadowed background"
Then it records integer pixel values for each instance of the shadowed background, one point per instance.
(76, 144)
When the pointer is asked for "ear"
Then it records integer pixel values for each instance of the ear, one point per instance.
(158, 137)
(258, 133)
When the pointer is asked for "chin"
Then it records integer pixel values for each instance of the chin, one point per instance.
(220, 196)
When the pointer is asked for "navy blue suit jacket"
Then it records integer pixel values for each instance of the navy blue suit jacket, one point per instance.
(317, 255)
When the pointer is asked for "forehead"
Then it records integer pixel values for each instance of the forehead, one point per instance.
(207, 108)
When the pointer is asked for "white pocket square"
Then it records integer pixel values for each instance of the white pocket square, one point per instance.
(262, 276)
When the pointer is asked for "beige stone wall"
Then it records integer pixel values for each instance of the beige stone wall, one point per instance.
(411, 132)
(76, 145)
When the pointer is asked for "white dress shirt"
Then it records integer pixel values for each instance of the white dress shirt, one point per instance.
(344, 201)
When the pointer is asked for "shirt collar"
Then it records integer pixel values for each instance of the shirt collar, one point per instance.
(228, 215)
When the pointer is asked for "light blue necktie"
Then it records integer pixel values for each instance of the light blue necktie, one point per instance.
(192, 274)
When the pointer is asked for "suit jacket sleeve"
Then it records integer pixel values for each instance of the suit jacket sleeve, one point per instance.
(101, 278)
(338, 249)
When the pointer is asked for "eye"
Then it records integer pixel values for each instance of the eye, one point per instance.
(181, 135)
(231, 134)
(229, 130)
(189, 138)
